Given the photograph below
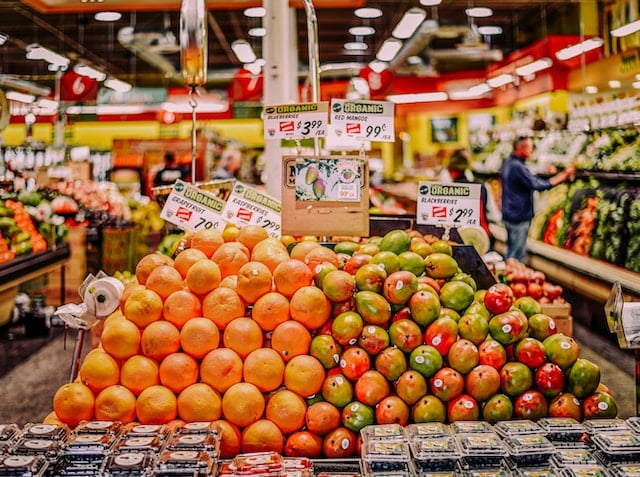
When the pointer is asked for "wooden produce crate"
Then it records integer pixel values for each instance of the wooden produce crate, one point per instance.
(561, 314)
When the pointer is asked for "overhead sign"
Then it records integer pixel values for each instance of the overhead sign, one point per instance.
(295, 121)
(193, 209)
(367, 120)
(247, 205)
(448, 204)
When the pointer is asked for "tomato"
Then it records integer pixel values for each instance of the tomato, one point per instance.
(499, 298)
(534, 290)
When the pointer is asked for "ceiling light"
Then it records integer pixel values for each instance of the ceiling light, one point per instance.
(414, 60)
(256, 67)
(37, 52)
(490, 30)
(45, 103)
(3, 38)
(117, 85)
(534, 67)
(258, 32)
(89, 72)
(362, 30)
(409, 23)
(255, 12)
(107, 16)
(355, 46)
(367, 12)
(627, 29)
(475, 91)
(576, 50)
(591, 89)
(20, 97)
(430, 3)
(418, 97)
(243, 51)
(389, 49)
(378, 66)
(500, 80)
(614, 84)
(478, 12)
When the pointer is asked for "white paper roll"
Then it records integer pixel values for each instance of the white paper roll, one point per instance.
(102, 296)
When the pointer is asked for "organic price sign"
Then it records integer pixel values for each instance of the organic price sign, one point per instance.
(448, 204)
(295, 121)
(367, 120)
(247, 205)
(193, 209)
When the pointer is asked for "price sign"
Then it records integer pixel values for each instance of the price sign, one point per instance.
(295, 121)
(247, 205)
(448, 204)
(193, 209)
(368, 120)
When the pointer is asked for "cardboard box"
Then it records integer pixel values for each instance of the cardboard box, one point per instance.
(561, 314)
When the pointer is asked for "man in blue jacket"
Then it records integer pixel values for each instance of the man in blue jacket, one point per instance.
(518, 186)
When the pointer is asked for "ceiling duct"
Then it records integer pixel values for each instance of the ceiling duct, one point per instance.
(149, 47)
(12, 82)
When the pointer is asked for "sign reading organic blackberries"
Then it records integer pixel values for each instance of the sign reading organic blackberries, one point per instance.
(448, 204)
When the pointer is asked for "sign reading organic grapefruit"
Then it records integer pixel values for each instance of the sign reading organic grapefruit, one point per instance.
(193, 209)
(450, 204)
(247, 205)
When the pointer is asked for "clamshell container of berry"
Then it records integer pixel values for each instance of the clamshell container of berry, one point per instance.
(138, 444)
(566, 457)
(481, 449)
(199, 427)
(98, 427)
(595, 426)
(55, 432)
(471, 427)
(185, 463)
(129, 464)
(527, 450)
(269, 463)
(368, 470)
(44, 447)
(421, 430)
(633, 422)
(21, 465)
(383, 456)
(618, 446)
(493, 472)
(87, 447)
(437, 453)
(517, 427)
(8, 431)
(564, 429)
(385, 432)
(194, 442)
(535, 472)
(584, 471)
(624, 470)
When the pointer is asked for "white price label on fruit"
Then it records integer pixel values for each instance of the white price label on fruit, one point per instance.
(448, 204)
(247, 205)
(295, 121)
(193, 209)
(367, 120)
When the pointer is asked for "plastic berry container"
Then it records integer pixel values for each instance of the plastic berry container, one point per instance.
(533, 472)
(44, 447)
(369, 470)
(23, 465)
(9, 432)
(471, 427)
(139, 430)
(584, 471)
(201, 427)
(435, 454)
(624, 470)
(128, 443)
(383, 456)
(529, 449)
(562, 429)
(194, 442)
(98, 427)
(618, 446)
(268, 463)
(595, 426)
(129, 464)
(566, 457)
(517, 427)
(481, 449)
(55, 432)
(87, 447)
(422, 430)
(185, 463)
(384, 432)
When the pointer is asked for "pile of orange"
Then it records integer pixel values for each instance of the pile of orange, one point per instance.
(221, 332)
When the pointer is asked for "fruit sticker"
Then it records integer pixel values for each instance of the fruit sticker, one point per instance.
(327, 179)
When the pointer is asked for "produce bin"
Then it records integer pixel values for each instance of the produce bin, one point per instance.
(119, 249)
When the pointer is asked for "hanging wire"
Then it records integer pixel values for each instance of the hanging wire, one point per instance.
(194, 104)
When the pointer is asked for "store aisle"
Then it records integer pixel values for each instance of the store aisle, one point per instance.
(27, 390)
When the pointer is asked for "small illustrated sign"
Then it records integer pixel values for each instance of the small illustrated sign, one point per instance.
(193, 209)
(366, 120)
(247, 205)
(448, 204)
(329, 179)
(295, 121)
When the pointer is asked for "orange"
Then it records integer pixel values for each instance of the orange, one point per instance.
(270, 310)
(221, 306)
(180, 306)
(148, 263)
(318, 255)
(160, 339)
(230, 257)
(262, 436)
(143, 307)
(99, 370)
(230, 438)
(300, 249)
(290, 275)
(250, 235)
(73, 402)
(115, 403)
(304, 375)
(303, 444)
(129, 288)
(265, 368)
(203, 276)
(156, 405)
(221, 368)
(53, 419)
(254, 280)
(322, 417)
(138, 373)
(198, 336)
(164, 280)
(178, 370)
(310, 306)
(199, 402)
(242, 404)
(186, 258)
(207, 241)
(242, 335)
(286, 410)
(270, 252)
(230, 281)
(121, 338)
(290, 339)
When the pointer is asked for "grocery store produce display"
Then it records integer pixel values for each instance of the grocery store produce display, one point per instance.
(296, 349)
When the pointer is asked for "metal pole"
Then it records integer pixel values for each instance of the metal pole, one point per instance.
(314, 59)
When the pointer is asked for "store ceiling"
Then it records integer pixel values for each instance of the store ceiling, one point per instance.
(68, 27)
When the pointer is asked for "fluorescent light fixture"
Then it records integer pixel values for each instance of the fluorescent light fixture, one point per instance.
(430, 3)
(256, 67)
(478, 12)
(576, 50)
(368, 12)
(3, 38)
(49, 104)
(107, 16)
(534, 67)
(409, 23)
(614, 84)
(627, 29)
(257, 32)
(389, 49)
(243, 51)
(418, 97)
(636, 84)
(89, 72)
(362, 30)
(20, 97)
(254, 12)
(117, 85)
(475, 91)
(355, 46)
(591, 89)
(414, 60)
(488, 30)
(500, 80)
(378, 66)
(37, 52)
(203, 107)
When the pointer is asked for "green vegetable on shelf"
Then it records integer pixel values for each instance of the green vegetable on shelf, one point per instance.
(22, 248)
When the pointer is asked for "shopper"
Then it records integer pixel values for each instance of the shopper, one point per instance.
(518, 187)
(170, 173)
(230, 163)
(458, 169)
